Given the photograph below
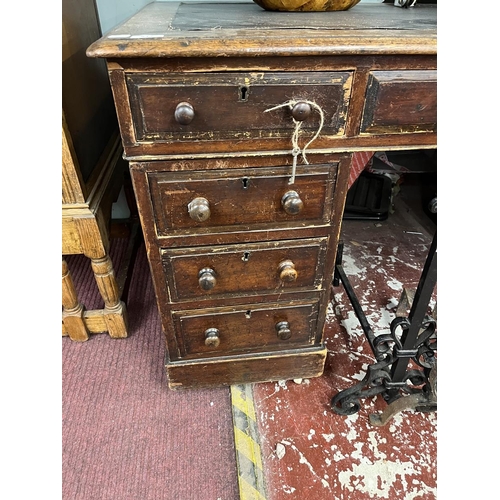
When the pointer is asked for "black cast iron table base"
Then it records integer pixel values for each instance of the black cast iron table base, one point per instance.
(405, 371)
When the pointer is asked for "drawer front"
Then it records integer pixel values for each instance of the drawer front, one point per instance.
(214, 106)
(400, 101)
(197, 202)
(215, 332)
(252, 268)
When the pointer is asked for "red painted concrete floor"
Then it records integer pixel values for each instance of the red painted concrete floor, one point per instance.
(308, 451)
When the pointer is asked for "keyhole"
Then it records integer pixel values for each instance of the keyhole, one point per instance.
(243, 93)
(244, 181)
(245, 257)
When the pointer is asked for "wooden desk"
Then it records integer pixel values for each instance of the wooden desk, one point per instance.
(209, 99)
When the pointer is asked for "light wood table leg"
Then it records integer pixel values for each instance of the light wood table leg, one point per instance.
(72, 315)
(115, 311)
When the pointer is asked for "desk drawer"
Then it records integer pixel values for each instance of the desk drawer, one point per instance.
(252, 268)
(214, 106)
(400, 101)
(200, 202)
(254, 327)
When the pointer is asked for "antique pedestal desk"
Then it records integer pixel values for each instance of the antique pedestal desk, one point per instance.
(240, 126)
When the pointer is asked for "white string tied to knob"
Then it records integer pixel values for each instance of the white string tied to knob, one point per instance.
(296, 132)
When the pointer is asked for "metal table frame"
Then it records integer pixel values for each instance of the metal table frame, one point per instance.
(405, 371)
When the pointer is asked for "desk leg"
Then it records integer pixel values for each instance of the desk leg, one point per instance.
(115, 311)
(411, 339)
(72, 315)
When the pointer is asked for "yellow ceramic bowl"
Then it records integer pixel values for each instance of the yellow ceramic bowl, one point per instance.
(306, 5)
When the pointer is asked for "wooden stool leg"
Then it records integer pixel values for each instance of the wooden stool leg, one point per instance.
(115, 311)
(72, 315)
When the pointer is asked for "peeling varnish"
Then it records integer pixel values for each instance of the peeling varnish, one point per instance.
(377, 478)
(303, 460)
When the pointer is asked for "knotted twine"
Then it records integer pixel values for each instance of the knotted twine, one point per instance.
(295, 136)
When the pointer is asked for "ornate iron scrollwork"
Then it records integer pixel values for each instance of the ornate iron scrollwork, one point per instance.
(347, 402)
(411, 339)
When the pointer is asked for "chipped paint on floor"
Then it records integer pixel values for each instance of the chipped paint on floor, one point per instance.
(325, 456)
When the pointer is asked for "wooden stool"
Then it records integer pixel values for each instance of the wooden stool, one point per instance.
(85, 231)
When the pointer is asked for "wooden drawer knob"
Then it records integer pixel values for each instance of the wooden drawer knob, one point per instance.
(291, 203)
(283, 330)
(184, 113)
(206, 278)
(199, 209)
(212, 337)
(287, 271)
(301, 111)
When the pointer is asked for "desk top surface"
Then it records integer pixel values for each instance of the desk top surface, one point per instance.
(216, 29)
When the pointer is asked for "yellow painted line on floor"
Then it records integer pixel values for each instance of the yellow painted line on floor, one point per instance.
(242, 402)
(246, 441)
(248, 492)
(248, 447)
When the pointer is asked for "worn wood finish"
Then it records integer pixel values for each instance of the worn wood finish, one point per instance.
(244, 269)
(72, 180)
(149, 128)
(244, 369)
(369, 142)
(264, 63)
(403, 101)
(241, 259)
(241, 197)
(318, 43)
(370, 29)
(241, 99)
(115, 310)
(245, 328)
(73, 321)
